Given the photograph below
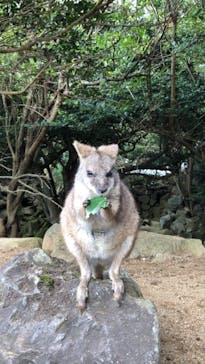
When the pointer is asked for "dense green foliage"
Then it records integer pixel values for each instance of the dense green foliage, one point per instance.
(130, 72)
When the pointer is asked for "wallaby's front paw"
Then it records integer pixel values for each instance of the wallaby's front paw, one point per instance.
(86, 203)
(82, 296)
(108, 203)
(118, 289)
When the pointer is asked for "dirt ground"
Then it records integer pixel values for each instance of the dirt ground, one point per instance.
(177, 287)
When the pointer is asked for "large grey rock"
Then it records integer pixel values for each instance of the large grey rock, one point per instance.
(54, 245)
(40, 324)
(151, 245)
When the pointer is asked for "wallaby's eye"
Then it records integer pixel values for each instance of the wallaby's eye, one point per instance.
(109, 174)
(90, 174)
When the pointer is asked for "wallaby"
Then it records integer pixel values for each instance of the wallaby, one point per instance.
(102, 240)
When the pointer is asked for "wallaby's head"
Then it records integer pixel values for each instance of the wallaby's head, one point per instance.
(96, 170)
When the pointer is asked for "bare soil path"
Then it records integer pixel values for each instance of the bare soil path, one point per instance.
(177, 287)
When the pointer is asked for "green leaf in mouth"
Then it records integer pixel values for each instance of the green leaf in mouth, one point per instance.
(96, 203)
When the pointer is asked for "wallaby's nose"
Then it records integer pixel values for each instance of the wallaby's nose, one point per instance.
(102, 190)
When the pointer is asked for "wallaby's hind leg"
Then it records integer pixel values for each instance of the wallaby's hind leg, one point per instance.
(85, 271)
(117, 285)
(114, 271)
(82, 290)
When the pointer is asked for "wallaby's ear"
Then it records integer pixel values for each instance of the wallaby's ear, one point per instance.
(83, 150)
(111, 150)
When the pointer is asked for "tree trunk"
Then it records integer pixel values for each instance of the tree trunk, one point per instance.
(173, 11)
(27, 143)
(173, 91)
(13, 203)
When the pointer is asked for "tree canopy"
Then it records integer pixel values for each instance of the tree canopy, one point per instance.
(130, 72)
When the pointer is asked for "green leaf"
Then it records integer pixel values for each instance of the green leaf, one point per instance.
(96, 203)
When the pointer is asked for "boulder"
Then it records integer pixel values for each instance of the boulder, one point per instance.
(166, 220)
(174, 202)
(53, 244)
(40, 324)
(11, 243)
(182, 213)
(178, 227)
(151, 244)
(148, 244)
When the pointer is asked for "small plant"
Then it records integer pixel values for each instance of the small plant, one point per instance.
(47, 280)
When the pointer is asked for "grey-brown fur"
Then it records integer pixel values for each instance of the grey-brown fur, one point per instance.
(105, 239)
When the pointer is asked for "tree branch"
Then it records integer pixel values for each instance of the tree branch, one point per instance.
(30, 190)
(7, 126)
(20, 92)
(31, 150)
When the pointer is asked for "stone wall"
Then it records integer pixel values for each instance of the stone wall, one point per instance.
(159, 200)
